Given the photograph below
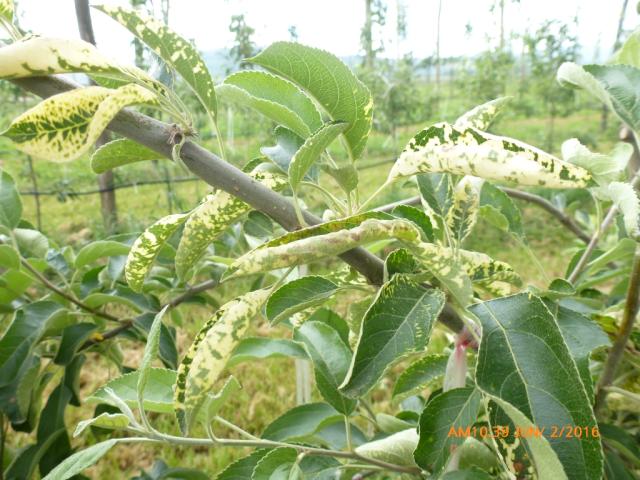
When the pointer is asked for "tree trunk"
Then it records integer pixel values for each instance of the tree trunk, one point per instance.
(108, 204)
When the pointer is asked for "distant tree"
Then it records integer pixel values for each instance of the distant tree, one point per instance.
(552, 44)
(243, 46)
(375, 14)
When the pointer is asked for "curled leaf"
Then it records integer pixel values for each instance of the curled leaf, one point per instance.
(208, 354)
(463, 214)
(306, 250)
(444, 148)
(624, 196)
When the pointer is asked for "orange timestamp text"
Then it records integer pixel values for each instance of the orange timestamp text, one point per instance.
(506, 431)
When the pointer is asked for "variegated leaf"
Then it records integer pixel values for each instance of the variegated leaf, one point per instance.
(177, 52)
(38, 56)
(444, 148)
(482, 116)
(456, 268)
(6, 10)
(463, 213)
(212, 217)
(275, 98)
(307, 250)
(63, 127)
(147, 246)
(604, 168)
(329, 81)
(202, 365)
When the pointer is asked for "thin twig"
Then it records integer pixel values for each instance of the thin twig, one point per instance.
(192, 291)
(67, 296)
(632, 304)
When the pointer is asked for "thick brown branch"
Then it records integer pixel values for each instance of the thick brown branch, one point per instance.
(158, 136)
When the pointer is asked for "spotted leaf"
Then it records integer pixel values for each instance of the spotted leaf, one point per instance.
(329, 81)
(176, 52)
(208, 354)
(482, 116)
(63, 127)
(604, 168)
(444, 148)
(624, 196)
(275, 98)
(147, 246)
(463, 213)
(306, 250)
(211, 218)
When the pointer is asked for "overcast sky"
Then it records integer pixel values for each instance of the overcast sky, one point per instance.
(335, 24)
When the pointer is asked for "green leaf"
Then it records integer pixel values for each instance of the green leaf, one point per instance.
(443, 148)
(275, 98)
(111, 421)
(582, 335)
(64, 126)
(329, 82)
(524, 360)
(6, 10)
(207, 221)
(500, 210)
(174, 50)
(542, 454)
(207, 357)
(282, 252)
(311, 150)
(73, 337)
(300, 423)
(260, 348)
(331, 358)
(215, 402)
(298, 295)
(150, 353)
(287, 144)
(419, 374)
(242, 469)
(346, 176)
(258, 225)
(629, 53)
(454, 409)
(463, 213)
(482, 116)
(400, 261)
(99, 249)
(9, 258)
(604, 168)
(622, 441)
(120, 152)
(146, 248)
(158, 394)
(81, 460)
(418, 217)
(396, 449)
(275, 465)
(436, 191)
(31, 243)
(10, 203)
(624, 196)
(398, 322)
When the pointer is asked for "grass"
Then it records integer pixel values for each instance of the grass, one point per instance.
(268, 387)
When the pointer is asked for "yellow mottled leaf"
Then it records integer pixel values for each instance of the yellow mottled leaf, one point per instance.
(207, 357)
(463, 213)
(212, 217)
(63, 127)
(310, 249)
(482, 116)
(6, 10)
(444, 148)
(147, 246)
